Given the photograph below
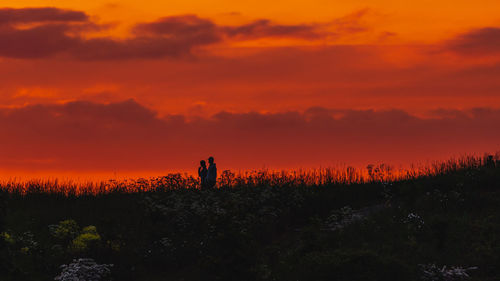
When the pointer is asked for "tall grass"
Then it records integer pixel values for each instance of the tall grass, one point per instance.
(228, 179)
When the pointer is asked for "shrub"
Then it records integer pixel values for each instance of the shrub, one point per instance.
(85, 270)
(87, 238)
(431, 272)
(65, 230)
(7, 238)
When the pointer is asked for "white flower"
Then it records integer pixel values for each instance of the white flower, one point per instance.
(84, 270)
(431, 272)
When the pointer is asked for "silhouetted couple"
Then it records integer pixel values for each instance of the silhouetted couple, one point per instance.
(208, 177)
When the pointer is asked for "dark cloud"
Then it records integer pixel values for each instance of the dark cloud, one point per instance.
(136, 48)
(127, 136)
(266, 28)
(36, 42)
(185, 26)
(193, 26)
(346, 25)
(48, 33)
(262, 28)
(168, 37)
(31, 15)
(62, 32)
(479, 42)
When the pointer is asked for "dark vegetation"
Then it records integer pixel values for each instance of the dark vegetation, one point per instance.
(260, 226)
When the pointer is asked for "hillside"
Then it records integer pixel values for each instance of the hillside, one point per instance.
(268, 230)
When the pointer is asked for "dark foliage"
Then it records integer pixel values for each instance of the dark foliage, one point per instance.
(265, 229)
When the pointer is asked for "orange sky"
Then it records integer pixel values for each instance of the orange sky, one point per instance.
(420, 20)
(77, 77)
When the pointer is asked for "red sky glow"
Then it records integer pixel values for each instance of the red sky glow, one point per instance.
(116, 87)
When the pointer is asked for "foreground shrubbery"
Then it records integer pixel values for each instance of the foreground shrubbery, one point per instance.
(84, 269)
(434, 227)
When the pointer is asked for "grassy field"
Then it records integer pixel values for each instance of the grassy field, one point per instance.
(378, 224)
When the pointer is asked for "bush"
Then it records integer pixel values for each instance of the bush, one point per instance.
(84, 270)
(431, 272)
(65, 230)
(87, 238)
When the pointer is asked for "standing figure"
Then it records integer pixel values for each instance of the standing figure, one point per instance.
(212, 173)
(202, 173)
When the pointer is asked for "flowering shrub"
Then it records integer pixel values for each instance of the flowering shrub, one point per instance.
(7, 238)
(87, 237)
(27, 241)
(65, 230)
(77, 240)
(414, 221)
(431, 272)
(84, 270)
(24, 242)
(414, 224)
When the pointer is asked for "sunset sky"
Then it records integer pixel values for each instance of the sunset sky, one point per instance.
(102, 87)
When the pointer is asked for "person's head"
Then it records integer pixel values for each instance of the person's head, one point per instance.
(203, 163)
(210, 160)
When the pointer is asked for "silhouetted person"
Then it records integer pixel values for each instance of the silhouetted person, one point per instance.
(489, 161)
(202, 173)
(212, 173)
